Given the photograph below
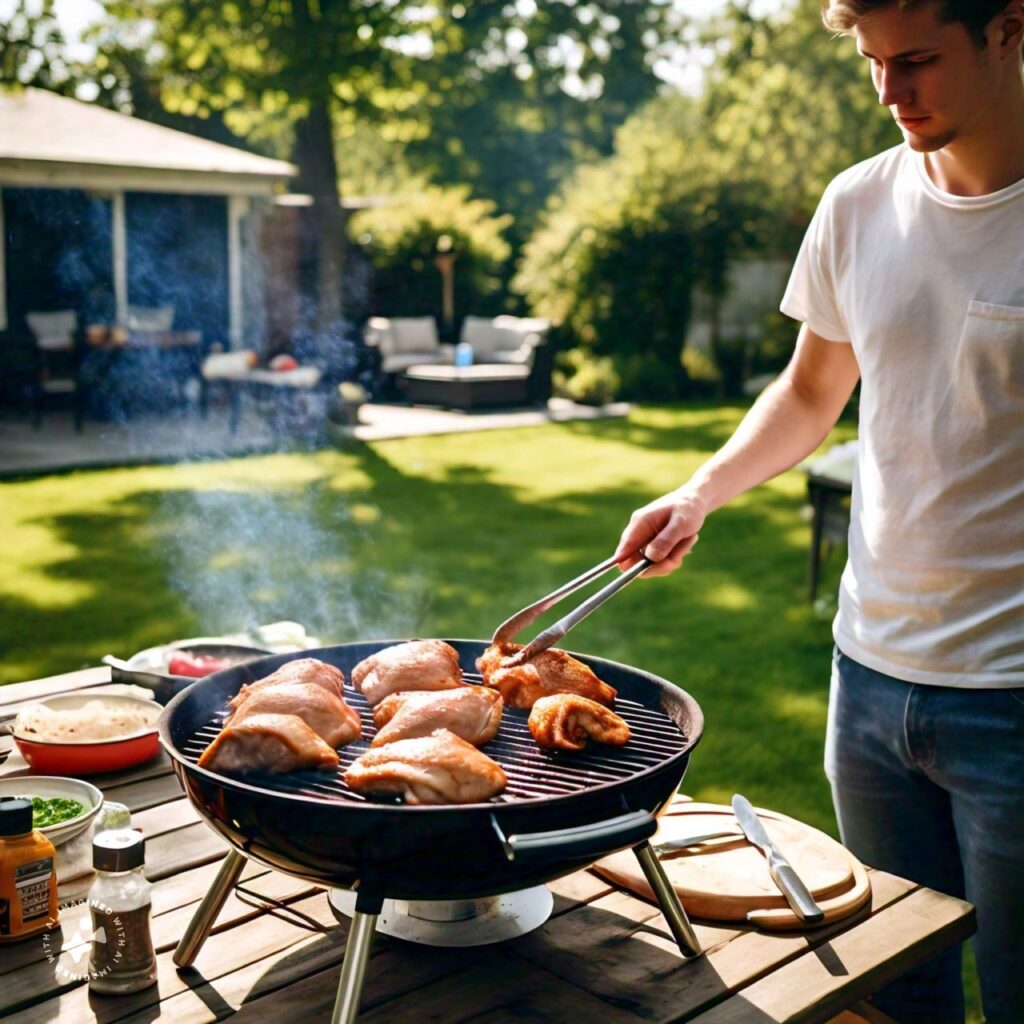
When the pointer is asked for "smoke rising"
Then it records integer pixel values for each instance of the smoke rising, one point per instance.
(244, 558)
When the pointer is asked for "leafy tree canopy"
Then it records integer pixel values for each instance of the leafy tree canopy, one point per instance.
(693, 186)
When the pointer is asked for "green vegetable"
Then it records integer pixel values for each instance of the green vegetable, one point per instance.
(54, 811)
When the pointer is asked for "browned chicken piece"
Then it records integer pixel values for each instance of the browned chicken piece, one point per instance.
(326, 714)
(416, 665)
(437, 769)
(303, 670)
(564, 721)
(471, 712)
(551, 671)
(267, 743)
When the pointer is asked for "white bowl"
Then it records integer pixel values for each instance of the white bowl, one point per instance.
(50, 786)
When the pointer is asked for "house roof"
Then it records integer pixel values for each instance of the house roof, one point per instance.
(65, 141)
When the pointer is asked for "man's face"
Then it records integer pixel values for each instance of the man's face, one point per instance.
(936, 80)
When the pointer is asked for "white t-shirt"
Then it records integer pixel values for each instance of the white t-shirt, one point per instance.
(929, 288)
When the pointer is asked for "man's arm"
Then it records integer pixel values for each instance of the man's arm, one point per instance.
(787, 422)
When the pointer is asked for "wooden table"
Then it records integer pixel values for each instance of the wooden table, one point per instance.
(604, 957)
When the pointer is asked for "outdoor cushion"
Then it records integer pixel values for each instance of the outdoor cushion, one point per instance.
(53, 331)
(504, 338)
(229, 365)
(403, 360)
(485, 337)
(146, 318)
(413, 334)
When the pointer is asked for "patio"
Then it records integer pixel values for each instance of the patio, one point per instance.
(56, 447)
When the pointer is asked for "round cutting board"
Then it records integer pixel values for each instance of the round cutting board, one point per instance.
(727, 879)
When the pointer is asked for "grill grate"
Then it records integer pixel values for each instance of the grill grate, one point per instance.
(532, 773)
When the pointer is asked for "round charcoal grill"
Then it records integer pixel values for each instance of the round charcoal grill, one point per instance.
(559, 812)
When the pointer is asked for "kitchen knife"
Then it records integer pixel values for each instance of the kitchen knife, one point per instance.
(788, 881)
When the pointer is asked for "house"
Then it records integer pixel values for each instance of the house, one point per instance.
(100, 212)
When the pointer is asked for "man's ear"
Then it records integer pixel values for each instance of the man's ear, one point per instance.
(1012, 28)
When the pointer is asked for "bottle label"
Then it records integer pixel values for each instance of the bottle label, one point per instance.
(32, 884)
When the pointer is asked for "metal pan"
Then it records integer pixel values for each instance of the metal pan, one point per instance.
(148, 668)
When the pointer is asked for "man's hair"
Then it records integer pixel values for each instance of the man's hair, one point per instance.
(843, 15)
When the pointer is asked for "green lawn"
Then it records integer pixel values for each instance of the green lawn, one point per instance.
(446, 536)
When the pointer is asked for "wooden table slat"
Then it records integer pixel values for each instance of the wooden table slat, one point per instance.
(227, 949)
(817, 985)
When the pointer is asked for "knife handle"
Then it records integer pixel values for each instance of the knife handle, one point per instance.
(796, 893)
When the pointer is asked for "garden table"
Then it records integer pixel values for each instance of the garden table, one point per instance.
(605, 956)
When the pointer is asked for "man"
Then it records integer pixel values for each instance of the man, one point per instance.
(911, 279)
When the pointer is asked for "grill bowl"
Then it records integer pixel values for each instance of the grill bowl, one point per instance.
(310, 825)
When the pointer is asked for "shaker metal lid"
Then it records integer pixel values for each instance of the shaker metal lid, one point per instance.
(120, 849)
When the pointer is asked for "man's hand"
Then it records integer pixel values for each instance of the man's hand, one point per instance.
(665, 531)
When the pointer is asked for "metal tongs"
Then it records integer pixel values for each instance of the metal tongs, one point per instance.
(508, 629)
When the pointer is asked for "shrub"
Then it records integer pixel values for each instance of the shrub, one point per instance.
(586, 378)
(402, 237)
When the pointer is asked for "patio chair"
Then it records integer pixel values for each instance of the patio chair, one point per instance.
(404, 341)
(58, 365)
(514, 341)
(505, 339)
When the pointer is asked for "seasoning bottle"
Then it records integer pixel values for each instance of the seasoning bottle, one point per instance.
(122, 957)
(28, 882)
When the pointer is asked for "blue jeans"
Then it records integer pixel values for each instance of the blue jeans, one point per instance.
(928, 783)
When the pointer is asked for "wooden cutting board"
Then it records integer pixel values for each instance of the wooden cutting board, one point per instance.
(727, 879)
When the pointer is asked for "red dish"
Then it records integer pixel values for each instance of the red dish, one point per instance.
(89, 757)
(196, 666)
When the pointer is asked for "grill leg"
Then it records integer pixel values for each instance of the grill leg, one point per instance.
(202, 920)
(357, 956)
(668, 900)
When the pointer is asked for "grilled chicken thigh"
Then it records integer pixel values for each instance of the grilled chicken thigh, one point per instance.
(436, 769)
(267, 743)
(471, 712)
(564, 721)
(326, 714)
(551, 671)
(416, 665)
(303, 670)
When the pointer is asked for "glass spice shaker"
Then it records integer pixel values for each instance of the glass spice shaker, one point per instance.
(122, 957)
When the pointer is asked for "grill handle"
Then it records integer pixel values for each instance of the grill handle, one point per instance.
(593, 840)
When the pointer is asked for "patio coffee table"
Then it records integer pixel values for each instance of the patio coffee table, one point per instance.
(467, 387)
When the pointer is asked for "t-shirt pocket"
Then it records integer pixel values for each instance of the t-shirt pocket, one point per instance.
(989, 371)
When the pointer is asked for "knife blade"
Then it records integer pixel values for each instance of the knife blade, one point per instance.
(686, 842)
(788, 881)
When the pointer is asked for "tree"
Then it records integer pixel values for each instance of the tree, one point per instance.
(327, 65)
(32, 49)
(738, 174)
